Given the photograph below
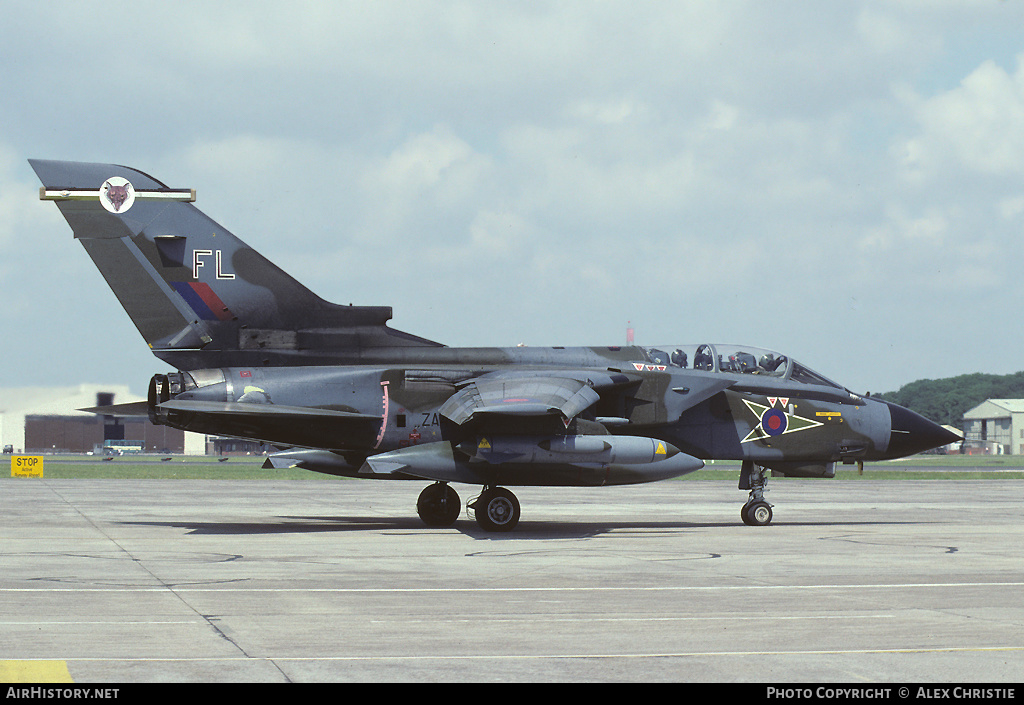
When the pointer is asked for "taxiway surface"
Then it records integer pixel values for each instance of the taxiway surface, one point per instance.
(305, 581)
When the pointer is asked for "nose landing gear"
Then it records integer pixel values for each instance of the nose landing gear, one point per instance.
(756, 511)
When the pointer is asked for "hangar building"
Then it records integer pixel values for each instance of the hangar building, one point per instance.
(995, 426)
(47, 420)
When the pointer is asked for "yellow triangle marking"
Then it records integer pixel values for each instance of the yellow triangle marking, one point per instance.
(661, 449)
(484, 444)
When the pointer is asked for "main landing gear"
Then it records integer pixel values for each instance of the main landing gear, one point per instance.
(756, 512)
(438, 505)
(496, 508)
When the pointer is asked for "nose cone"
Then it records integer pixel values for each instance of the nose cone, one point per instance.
(912, 433)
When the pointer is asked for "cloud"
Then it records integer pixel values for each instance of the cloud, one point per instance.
(975, 126)
(435, 171)
(546, 171)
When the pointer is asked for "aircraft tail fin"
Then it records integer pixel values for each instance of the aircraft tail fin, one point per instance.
(199, 296)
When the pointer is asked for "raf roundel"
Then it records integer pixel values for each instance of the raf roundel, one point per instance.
(117, 194)
(774, 422)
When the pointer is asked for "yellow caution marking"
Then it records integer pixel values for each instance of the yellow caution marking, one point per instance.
(34, 672)
(660, 449)
(484, 444)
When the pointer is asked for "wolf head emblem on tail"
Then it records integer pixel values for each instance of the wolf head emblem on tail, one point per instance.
(117, 194)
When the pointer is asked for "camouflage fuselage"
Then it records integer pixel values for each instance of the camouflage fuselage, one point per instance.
(706, 414)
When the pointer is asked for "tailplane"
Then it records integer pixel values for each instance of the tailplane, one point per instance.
(199, 296)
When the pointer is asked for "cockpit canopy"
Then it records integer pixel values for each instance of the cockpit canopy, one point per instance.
(738, 359)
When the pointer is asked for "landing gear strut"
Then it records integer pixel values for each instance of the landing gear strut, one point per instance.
(496, 509)
(756, 512)
(438, 505)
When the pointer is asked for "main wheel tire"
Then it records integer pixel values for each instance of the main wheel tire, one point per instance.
(497, 509)
(438, 505)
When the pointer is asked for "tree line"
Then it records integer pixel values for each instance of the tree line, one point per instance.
(944, 401)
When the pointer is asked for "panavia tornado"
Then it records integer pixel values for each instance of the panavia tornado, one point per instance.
(336, 390)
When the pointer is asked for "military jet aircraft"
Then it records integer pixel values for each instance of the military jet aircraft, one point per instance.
(336, 390)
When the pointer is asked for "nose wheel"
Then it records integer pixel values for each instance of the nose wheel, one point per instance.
(757, 511)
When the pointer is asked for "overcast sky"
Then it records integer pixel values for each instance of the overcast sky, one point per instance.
(839, 181)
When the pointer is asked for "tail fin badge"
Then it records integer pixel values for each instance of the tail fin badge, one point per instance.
(117, 194)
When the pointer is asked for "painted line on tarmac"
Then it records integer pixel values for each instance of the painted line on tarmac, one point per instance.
(113, 623)
(576, 620)
(498, 588)
(530, 657)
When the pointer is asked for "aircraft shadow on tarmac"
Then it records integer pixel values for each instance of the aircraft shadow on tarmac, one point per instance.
(526, 530)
